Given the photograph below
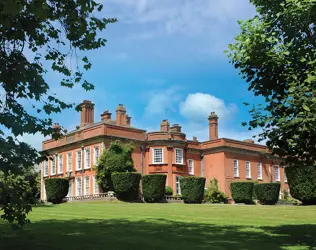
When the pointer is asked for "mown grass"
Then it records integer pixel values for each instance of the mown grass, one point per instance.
(104, 225)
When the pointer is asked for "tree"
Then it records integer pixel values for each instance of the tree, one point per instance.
(37, 36)
(116, 158)
(275, 53)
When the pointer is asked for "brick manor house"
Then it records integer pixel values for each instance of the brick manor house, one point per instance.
(167, 151)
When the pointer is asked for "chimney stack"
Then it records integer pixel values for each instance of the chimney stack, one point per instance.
(213, 126)
(128, 120)
(194, 138)
(164, 126)
(87, 113)
(106, 115)
(176, 128)
(249, 141)
(121, 115)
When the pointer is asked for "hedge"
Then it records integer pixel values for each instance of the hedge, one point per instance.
(192, 189)
(242, 191)
(126, 185)
(56, 189)
(154, 187)
(168, 190)
(301, 180)
(267, 193)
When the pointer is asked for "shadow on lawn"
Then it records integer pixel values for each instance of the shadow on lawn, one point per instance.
(153, 234)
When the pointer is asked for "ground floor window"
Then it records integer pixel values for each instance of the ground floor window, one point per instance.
(96, 185)
(70, 189)
(78, 187)
(87, 185)
(178, 188)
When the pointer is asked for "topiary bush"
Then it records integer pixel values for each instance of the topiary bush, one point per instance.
(56, 189)
(168, 190)
(242, 191)
(192, 189)
(301, 180)
(154, 187)
(267, 193)
(126, 185)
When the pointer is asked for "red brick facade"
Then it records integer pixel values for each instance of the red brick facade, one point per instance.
(167, 151)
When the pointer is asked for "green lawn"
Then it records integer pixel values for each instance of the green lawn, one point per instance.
(102, 225)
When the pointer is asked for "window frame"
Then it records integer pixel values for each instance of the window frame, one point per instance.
(259, 166)
(192, 167)
(96, 188)
(77, 158)
(153, 156)
(248, 175)
(69, 160)
(70, 189)
(277, 178)
(53, 163)
(85, 158)
(60, 164)
(182, 155)
(237, 174)
(86, 180)
(95, 159)
(80, 187)
(178, 186)
(46, 168)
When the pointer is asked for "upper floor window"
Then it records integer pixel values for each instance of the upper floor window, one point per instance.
(78, 160)
(87, 158)
(69, 161)
(157, 155)
(191, 166)
(179, 155)
(53, 165)
(259, 171)
(60, 164)
(45, 168)
(248, 170)
(277, 173)
(96, 155)
(236, 168)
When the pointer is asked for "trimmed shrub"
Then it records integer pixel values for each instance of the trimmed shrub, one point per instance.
(192, 189)
(212, 193)
(126, 185)
(267, 193)
(56, 189)
(242, 191)
(301, 180)
(168, 190)
(154, 187)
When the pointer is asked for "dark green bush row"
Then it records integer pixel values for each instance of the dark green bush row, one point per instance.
(56, 189)
(154, 187)
(126, 185)
(192, 189)
(301, 180)
(267, 193)
(242, 191)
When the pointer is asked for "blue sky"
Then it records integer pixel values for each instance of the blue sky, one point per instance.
(166, 55)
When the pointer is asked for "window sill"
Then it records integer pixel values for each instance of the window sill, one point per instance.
(237, 177)
(78, 170)
(156, 164)
(52, 174)
(192, 174)
(179, 164)
(248, 178)
(260, 179)
(87, 168)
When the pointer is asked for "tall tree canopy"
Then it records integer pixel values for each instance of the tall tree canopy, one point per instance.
(37, 36)
(275, 53)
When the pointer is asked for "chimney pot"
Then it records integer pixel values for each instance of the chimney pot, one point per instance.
(121, 115)
(164, 126)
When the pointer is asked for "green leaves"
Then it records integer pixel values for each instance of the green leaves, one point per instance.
(49, 33)
(276, 53)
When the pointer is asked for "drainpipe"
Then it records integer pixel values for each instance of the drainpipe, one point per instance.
(141, 159)
(202, 164)
(82, 167)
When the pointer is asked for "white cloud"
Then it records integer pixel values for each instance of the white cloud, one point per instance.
(162, 101)
(198, 106)
(121, 57)
(189, 17)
